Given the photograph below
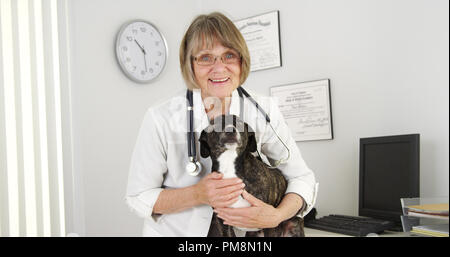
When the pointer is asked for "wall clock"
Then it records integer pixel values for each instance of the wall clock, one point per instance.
(141, 51)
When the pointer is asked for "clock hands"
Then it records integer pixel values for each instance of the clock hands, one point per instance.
(145, 61)
(143, 51)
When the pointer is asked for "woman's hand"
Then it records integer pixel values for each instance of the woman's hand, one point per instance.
(259, 215)
(218, 192)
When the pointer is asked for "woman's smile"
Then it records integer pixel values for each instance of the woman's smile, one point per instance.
(219, 82)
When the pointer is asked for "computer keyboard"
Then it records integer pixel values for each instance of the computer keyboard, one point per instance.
(349, 225)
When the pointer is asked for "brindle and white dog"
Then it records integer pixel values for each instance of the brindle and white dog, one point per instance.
(230, 143)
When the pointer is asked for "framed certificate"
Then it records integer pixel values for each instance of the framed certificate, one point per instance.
(262, 34)
(306, 107)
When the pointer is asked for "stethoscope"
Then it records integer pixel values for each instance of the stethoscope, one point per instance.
(194, 167)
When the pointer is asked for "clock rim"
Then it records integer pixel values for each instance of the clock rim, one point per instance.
(123, 68)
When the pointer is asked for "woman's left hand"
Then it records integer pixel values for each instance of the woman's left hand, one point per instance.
(258, 215)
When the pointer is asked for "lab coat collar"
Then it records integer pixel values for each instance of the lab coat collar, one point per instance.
(200, 116)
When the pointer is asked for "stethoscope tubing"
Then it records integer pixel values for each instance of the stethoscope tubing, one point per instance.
(190, 134)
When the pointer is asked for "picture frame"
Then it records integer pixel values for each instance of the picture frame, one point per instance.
(262, 35)
(306, 108)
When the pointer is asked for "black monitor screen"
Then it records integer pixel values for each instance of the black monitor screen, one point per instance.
(389, 170)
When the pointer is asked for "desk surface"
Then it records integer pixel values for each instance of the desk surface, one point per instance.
(310, 232)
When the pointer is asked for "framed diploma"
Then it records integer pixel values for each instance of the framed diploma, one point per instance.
(306, 107)
(262, 34)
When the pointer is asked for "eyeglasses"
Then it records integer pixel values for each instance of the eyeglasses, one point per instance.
(209, 59)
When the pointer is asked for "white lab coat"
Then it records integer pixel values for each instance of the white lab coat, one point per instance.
(160, 157)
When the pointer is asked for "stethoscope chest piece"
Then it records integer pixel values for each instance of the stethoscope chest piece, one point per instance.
(193, 168)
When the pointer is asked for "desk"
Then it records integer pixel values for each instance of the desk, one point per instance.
(310, 232)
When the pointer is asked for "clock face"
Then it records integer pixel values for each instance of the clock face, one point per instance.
(141, 51)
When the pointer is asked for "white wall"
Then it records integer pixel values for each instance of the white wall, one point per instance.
(387, 62)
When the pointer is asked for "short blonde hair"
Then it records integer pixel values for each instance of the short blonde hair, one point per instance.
(204, 31)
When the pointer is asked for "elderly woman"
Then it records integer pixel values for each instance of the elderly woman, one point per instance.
(214, 61)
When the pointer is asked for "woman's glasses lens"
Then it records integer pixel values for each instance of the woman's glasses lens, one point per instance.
(209, 59)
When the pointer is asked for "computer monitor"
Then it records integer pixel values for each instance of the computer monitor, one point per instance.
(388, 171)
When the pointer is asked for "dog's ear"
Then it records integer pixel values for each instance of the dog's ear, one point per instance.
(204, 147)
(251, 142)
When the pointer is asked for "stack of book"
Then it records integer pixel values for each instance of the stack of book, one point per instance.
(434, 211)
(439, 210)
(439, 230)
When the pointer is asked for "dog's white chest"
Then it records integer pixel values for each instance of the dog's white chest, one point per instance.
(226, 166)
(226, 163)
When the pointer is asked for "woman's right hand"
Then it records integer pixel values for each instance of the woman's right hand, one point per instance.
(218, 192)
